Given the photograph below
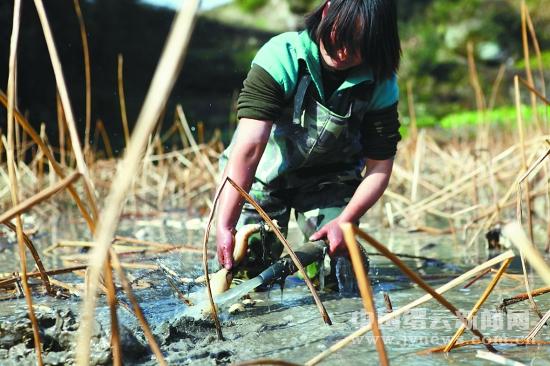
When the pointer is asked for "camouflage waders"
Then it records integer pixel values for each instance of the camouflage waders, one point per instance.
(312, 164)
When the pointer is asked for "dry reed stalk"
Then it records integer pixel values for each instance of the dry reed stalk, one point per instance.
(418, 155)
(265, 361)
(73, 290)
(483, 128)
(496, 86)
(527, 61)
(34, 253)
(64, 95)
(111, 299)
(524, 296)
(291, 253)
(448, 286)
(105, 138)
(15, 278)
(538, 327)
(412, 112)
(477, 278)
(200, 132)
(203, 159)
(479, 303)
(61, 129)
(39, 197)
(515, 233)
(87, 75)
(161, 85)
(501, 360)
(55, 165)
(137, 309)
(523, 158)
(490, 341)
(365, 290)
(122, 99)
(414, 277)
(11, 172)
(532, 89)
(459, 185)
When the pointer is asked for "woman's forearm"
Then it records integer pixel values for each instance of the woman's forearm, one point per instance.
(369, 191)
(247, 150)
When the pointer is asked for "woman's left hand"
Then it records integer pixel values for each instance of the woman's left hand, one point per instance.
(332, 232)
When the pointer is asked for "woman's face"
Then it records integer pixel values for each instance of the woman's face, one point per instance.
(344, 58)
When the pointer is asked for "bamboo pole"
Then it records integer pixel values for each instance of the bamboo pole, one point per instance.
(365, 289)
(161, 85)
(11, 172)
(478, 304)
(448, 286)
(64, 95)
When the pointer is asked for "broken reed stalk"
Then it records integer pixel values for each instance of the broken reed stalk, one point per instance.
(11, 172)
(365, 290)
(418, 155)
(515, 233)
(479, 303)
(161, 85)
(498, 359)
(34, 253)
(105, 138)
(413, 276)
(111, 299)
(55, 165)
(137, 309)
(527, 61)
(291, 253)
(64, 95)
(524, 296)
(540, 64)
(412, 112)
(537, 328)
(480, 98)
(496, 86)
(9, 281)
(266, 361)
(523, 156)
(122, 99)
(38, 198)
(207, 164)
(490, 341)
(535, 91)
(383, 319)
(87, 75)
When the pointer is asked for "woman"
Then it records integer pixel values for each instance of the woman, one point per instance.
(316, 106)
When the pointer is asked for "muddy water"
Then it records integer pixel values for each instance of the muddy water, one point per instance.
(279, 325)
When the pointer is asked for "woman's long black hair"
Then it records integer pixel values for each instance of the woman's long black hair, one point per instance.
(367, 25)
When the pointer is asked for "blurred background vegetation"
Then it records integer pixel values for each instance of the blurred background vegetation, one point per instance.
(434, 37)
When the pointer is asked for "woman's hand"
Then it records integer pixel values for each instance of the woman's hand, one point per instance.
(225, 240)
(332, 232)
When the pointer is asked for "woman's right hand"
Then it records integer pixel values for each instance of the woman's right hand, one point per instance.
(225, 240)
